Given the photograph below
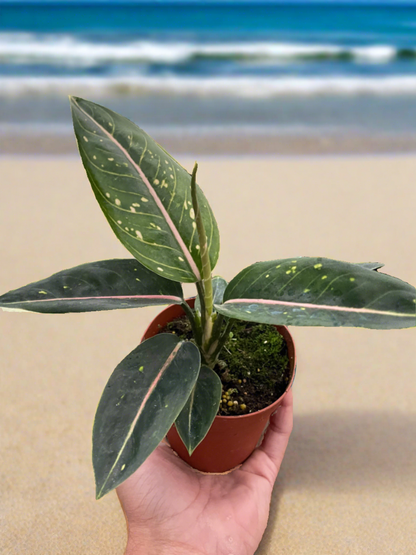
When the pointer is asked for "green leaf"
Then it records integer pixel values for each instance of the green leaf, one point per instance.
(140, 402)
(199, 412)
(103, 285)
(218, 287)
(319, 292)
(371, 265)
(144, 193)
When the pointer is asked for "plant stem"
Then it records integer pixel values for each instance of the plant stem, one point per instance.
(200, 289)
(227, 330)
(215, 335)
(196, 330)
(221, 341)
(206, 264)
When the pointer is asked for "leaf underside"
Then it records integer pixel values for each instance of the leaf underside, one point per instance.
(140, 402)
(319, 292)
(103, 285)
(195, 419)
(371, 265)
(143, 192)
(218, 287)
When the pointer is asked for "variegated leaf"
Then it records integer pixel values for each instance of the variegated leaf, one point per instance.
(319, 292)
(140, 402)
(103, 285)
(143, 192)
(196, 417)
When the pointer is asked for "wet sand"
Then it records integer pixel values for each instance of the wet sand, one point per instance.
(244, 143)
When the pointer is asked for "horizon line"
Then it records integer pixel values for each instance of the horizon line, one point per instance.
(392, 3)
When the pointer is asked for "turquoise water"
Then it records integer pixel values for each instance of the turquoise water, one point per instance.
(204, 65)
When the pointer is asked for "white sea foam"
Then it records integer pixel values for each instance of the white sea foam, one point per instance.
(375, 54)
(66, 50)
(248, 87)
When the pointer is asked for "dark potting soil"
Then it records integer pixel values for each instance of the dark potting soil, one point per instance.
(253, 365)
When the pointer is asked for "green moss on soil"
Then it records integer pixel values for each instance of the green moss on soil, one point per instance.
(253, 365)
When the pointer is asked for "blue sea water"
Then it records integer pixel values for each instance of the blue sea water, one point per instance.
(211, 65)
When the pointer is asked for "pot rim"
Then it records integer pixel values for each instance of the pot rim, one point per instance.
(277, 401)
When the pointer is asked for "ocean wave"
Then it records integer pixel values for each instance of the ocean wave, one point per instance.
(252, 87)
(66, 50)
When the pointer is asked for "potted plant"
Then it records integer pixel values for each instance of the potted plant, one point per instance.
(161, 216)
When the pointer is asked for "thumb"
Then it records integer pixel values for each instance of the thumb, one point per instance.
(267, 458)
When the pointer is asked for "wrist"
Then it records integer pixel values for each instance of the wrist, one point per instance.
(137, 545)
(141, 542)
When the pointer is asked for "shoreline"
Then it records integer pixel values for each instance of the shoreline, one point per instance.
(229, 144)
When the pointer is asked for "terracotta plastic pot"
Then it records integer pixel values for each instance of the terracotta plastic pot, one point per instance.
(231, 439)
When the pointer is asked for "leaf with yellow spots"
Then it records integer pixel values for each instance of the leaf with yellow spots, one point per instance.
(138, 184)
(103, 285)
(320, 292)
(142, 399)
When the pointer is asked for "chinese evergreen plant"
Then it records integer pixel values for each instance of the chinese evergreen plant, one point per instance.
(159, 213)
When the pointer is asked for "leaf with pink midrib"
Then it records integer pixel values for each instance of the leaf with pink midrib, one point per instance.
(306, 291)
(143, 192)
(139, 404)
(103, 285)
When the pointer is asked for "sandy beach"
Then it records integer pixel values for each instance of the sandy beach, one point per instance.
(348, 483)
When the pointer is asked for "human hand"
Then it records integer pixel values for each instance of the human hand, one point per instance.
(172, 508)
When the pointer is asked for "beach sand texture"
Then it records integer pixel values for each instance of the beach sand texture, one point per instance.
(348, 482)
